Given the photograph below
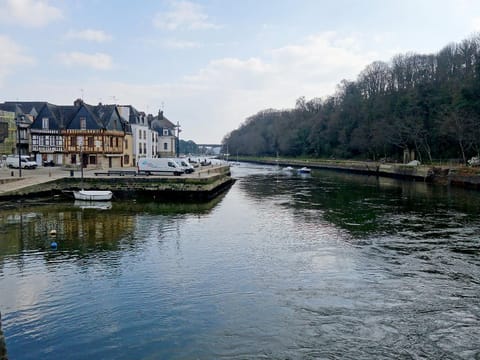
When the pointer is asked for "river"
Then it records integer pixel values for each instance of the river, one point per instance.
(282, 266)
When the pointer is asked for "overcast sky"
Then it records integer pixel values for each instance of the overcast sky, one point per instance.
(210, 64)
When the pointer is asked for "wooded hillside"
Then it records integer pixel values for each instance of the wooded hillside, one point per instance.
(426, 103)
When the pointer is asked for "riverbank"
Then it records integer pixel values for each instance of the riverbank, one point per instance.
(202, 185)
(461, 176)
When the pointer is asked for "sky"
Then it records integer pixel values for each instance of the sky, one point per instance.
(211, 64)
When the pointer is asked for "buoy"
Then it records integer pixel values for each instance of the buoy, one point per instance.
(53, 232)
(54, 245)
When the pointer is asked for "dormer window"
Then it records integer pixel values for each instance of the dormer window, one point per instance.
(165, 132)
(83, 123)
(45, 123)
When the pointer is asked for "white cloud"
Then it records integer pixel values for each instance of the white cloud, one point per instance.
(89, 35)
(179, 44)
(96, 61)
(29, 13)
(183, 15)
(226, 91)
(11, 56)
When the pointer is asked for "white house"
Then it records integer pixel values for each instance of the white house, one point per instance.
(145, 140)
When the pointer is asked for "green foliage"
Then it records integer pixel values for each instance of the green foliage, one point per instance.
(426, 103)
(188, 147)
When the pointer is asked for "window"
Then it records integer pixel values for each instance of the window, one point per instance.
(126, 144)
(90, 142)
(111, 141)
(144, 148)
(140, 148)
(165, 132)
(165, 146)
(116, 141)
(73, 141)
(92, 159)
(45, 124)
(83, 123)
(126, 159)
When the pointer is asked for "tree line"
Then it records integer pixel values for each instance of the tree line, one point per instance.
(426, 103)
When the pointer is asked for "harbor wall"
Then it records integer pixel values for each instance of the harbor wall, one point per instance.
(201, 186)
(460, 176)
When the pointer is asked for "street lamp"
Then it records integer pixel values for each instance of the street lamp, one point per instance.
(19, 122)
(178, 139)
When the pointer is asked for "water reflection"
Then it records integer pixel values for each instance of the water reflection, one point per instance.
(326, 266)
(84, 228)
(363, 204)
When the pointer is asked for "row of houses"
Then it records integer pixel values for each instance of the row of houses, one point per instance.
(102, 136)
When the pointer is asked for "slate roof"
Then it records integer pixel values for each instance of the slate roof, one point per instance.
(68, 116)
(160, 122)
(23, 107)
(59, 116)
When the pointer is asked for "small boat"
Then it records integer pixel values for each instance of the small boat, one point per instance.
(288, 169)
(93, 195)
(304, 170)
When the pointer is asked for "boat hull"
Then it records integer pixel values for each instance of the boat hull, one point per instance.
(93, 195)
(304, 170)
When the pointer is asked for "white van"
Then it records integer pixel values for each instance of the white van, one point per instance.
(26, 163)
(164, 166)
(185, 165)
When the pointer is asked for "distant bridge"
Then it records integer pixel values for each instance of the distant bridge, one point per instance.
(209, 145)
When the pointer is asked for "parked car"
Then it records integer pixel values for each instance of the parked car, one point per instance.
(165, 166)
(474, 161)
(185, 165)
(26, 163)
(48, 163)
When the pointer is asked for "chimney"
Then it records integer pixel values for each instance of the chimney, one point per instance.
(78, 102)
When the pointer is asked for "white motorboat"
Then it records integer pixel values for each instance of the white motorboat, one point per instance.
(93, 195)
(304, 170)
(288, 169)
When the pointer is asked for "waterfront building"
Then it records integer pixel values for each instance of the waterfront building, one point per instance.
(102, 136)
(8, 132)
(144, 139)
(46, 133)
(14, 126)
(168, 141)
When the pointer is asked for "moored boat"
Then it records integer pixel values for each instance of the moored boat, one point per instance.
(93, 195)
(304, 170)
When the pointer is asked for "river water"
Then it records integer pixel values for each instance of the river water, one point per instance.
(281, 266)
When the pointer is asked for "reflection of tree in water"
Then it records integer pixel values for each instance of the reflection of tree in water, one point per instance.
(361, 204)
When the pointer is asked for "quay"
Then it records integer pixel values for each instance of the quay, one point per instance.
(202, 185)
(454, 175)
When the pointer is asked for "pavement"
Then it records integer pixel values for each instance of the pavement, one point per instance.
(11, 181)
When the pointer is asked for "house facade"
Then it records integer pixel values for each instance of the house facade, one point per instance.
(145, 140)
(167, 141)
(102, 136)
(82, 134)
(46, 133)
